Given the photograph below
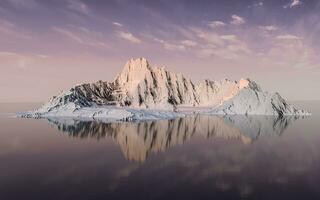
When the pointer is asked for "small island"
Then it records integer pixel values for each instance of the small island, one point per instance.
(144, 92)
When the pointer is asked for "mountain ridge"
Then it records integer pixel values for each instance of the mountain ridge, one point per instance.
(142, 86)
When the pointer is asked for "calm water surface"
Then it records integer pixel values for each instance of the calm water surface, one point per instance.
(200, 157)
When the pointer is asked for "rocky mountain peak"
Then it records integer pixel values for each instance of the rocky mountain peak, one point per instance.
(141, 86)
(247, 83)
(137, 63)
(135, 70)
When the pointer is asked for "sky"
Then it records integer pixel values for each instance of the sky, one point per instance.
(50, 45)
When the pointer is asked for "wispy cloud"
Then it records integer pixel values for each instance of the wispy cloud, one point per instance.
(17, 60)
(189, 43)
(174, 47)
(234, 44)
(220, 53)
(129, 37)
(294, 3)
(170, 46)
(229, 38)
(23, 4)
(209, 37)
(225, 46)
(216, 24)
(268, 28)
(82, 36)
(257, 4)
(43, 56)
(78, 6)
(287, 37)
(117, 24)
(237, 20)
(291, 51)
(11, 30)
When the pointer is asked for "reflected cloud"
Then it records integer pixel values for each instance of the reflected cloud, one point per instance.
(137, 140)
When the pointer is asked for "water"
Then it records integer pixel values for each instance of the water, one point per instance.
(199, 157)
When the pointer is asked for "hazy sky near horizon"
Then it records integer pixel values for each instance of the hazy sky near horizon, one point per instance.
(50, 45)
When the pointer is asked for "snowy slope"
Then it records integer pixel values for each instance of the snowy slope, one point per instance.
(251, 100)
(141, 88)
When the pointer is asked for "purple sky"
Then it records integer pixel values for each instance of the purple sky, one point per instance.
(50, 45)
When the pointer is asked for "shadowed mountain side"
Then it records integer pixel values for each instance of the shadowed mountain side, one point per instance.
(138, 140)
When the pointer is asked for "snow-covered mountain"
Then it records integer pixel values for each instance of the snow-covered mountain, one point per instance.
(142, 87)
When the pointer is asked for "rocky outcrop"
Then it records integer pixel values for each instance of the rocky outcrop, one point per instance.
(142, 86)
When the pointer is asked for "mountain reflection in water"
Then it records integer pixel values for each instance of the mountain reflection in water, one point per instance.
(138, 139)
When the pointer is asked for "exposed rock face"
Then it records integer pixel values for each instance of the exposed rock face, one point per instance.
(144, 86)
(141, 86)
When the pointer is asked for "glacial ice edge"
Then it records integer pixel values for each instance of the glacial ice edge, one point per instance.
(131, 114)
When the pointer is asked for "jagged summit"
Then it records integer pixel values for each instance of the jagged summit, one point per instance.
(141, 86)
(134, 70)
